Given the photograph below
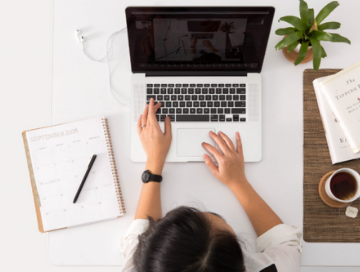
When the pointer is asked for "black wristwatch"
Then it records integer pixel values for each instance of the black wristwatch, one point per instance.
(147, 177)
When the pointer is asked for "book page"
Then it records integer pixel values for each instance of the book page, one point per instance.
(60, 156)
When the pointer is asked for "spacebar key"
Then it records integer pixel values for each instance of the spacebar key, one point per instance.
(194, 118)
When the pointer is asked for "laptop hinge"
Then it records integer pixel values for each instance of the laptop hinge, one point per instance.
(195, 73)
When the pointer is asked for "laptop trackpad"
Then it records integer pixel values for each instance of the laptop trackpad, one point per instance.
(189, 141)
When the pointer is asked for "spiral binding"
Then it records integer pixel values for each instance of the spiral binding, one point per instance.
(113, 166)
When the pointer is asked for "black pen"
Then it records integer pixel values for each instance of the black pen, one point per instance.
(84, 178)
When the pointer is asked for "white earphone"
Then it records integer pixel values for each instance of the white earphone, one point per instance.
(81, 40)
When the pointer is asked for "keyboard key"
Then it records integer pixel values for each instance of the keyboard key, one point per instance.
(160, 97)
(194, 97)
(232, 90)
(170, 91)
(162, 118)
(203, 104)
(221, 97)
(227, 111)
(208, 97)
(242, 119)
(204, 90)
(199, 111)
(211, 90)
(166, 97)
(157, 117)
(198, 91)
(191, 90)
(185, 111)
(206, 111)
(163, 90)
(228, 119)
(177, 90)
(171, 85)
(195, 118)
(177, 85)
(185, 85)
(225, 91)
(213, 111)
(221, 111)
(214, 85)
(183, 91)
(189, 104)
(162, 103)
(230, 104)
(240, 104)
(148, 97)
(180, 97)
(209, 104)
(172, 110)
(238, 110)
(199, 85)
(207, 85)
(196, 104)
(192, 111)
(223, 104)
(157, 85)
(215, 97)
(242, 85)
(156, 91)
(175, 104)
(168, 105)
(227, 85)
(149, 91)
(240, 90)
(218, 90)
(221, 85)
(192, 85)
(163, 85)
(172, 118)
(178, 111)
(187, 97)
(182, 104)
(158, 111)
(214, 118)
(165, 111)
(201, 97)
(149, 85)
(173, 97)
(235, 97)
(217, 104)
(236, 118)
(222, 118)
(235, 85)
(229, 97)
(242, 97)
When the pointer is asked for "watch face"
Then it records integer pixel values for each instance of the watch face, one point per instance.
(145, 176)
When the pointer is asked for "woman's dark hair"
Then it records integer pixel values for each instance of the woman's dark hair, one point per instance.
(185, 241)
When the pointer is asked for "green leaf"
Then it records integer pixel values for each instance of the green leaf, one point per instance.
(310, 18)
(316, 53)
(289, 40)
(302, 52)
(326, 11)
(338, 38)
(304, 11)
(323, 53)
(321, 36)
(292, 46)
(285, 31)
(295, 21)
(329, 25)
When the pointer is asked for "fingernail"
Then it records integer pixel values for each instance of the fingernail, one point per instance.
(220, 132)
(237, 134)
(205, 157)
(211, 132)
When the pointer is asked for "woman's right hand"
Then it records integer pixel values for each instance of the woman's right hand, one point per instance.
(231, 167)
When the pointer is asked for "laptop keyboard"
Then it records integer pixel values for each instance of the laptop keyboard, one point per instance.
(199, 102)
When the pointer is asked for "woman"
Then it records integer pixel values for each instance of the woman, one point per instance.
(190, 240)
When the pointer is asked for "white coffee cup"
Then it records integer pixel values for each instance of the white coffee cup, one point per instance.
(343, 170)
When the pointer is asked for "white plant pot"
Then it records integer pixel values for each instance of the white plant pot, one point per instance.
(297, 48)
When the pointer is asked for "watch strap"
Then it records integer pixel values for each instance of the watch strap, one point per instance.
(156, 178)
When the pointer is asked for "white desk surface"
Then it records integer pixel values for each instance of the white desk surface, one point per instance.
(80, 91)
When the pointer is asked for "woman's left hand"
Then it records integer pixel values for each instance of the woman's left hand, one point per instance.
(155, 143)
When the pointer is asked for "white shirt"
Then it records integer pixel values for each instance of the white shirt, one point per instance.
(280, 245)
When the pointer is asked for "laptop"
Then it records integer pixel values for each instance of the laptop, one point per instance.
(203, 64)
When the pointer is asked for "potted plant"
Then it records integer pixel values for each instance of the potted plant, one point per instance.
(307, 32)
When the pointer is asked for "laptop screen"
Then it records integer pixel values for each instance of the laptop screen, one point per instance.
(198, 38)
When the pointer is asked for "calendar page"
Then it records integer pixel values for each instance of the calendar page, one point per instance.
(60, 156)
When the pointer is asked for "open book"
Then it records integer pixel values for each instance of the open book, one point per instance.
(58, 157)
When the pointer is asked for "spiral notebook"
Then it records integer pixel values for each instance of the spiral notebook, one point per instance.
(57, 158)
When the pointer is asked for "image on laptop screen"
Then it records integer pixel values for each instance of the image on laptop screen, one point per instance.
(206, 39)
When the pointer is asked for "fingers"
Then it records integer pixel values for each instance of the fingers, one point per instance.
(211, 165)
(139, 125)
(152, 111)
(227, 141)
(212, 150)
(167, 127)
(220, 142)
(144, 116)
(239, 148)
